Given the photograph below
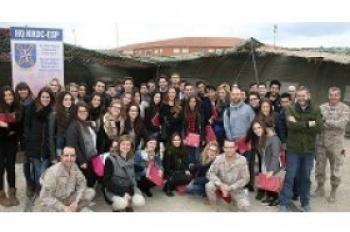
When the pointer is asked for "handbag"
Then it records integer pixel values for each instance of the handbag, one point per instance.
(209, 134)
(153, 174)
(192, 139)
(273, 183)
(98, 165)
(156, 120)
(242, 145)
(227, 199)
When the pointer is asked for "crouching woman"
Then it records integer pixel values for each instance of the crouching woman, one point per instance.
(119, 179)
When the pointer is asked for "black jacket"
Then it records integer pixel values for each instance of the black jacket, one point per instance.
(175, 160)
(36, 132)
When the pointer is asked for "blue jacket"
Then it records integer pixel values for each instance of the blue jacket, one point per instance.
(140, 163)
(237, 120)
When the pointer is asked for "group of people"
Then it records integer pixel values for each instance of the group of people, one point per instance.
(205, 140)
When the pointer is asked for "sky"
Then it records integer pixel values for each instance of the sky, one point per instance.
(104, 26)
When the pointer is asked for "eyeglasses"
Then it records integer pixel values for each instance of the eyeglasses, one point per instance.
(230, 148)
(82, 111)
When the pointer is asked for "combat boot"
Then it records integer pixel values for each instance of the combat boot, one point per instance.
(4, 201)
(332, 198)
(319, 192)
(12, 197)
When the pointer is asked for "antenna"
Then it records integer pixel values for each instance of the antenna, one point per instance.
(74, 36)
(275, 30)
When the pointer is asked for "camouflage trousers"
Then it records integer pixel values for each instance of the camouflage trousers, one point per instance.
(335, 154)
(87, 196)
(239, 196)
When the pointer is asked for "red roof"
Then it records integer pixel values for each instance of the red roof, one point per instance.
(199, 42)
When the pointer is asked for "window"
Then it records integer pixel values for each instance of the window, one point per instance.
(185, 50)
(211, 50)
(176, 50)
(160, 50)
(156, 51)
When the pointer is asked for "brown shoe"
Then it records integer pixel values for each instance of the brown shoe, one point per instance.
(4, 201)
(12, 197)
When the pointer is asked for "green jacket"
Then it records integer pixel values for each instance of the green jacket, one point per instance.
(302, 137)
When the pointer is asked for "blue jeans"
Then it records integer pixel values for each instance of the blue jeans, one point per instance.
(197, 186)
(301, 165)
(193, 154)
(39, 166)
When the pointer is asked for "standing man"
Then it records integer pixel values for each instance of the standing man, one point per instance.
(330, 144)
(292, 89)
(237, 117)
(229, 174)
(274, 95)
(64, 186)
(304, 122)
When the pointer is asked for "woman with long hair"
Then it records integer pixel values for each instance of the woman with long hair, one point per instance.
(193, 123)
(171, 115)
(152, 114)
(199, 171)
(222, 102)
(119, 178)
(113, 125)
(176, 170)
(144, 158)
(81, 135)
(10, 122)
(36, 133)
(97, 109)
(265, 142)
(134, 126)
(59, 121)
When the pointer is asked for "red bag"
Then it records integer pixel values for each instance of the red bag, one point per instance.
(228, 199)
(98, 165)
(242, 145)
(153, 174)
(193, 140)
(8, 118)
(210, 134)
(181, 188)
(273, 183)
(156, 120)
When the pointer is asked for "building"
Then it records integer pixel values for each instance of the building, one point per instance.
(181, 46)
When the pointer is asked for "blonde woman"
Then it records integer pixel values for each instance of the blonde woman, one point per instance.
(199, 171)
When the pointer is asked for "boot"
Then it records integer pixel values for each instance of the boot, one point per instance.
(12, 197)
(331, 198)
(319, 192)
(4, 201)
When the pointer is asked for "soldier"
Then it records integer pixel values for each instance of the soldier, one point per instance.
(229, 174)
(64, 186)
(330, 144)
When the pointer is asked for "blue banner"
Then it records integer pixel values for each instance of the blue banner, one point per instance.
(38, 34)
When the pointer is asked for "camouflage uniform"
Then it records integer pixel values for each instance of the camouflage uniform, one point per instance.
(234, 174)
(330, 143)
(60, 189)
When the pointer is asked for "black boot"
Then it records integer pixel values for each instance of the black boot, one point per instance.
(167, 190)
(260, 195)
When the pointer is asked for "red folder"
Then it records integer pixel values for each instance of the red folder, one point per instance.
(153, 174)
(8, 118)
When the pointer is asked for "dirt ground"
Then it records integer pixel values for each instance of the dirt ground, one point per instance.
(186, 203)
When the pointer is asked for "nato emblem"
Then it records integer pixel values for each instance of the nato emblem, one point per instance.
(25, 55)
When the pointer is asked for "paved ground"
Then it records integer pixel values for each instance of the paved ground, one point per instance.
(186, 203)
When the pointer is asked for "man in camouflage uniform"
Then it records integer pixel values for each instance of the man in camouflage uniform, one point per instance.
(64, 186)
(330, 144)
(229, 174)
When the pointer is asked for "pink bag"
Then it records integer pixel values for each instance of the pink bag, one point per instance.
(153, 174)
(98, 165)
(210, 134)
(193, 140)
(242, 146)
(273, 183)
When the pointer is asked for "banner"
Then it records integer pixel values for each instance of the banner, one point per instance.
(37, 56)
